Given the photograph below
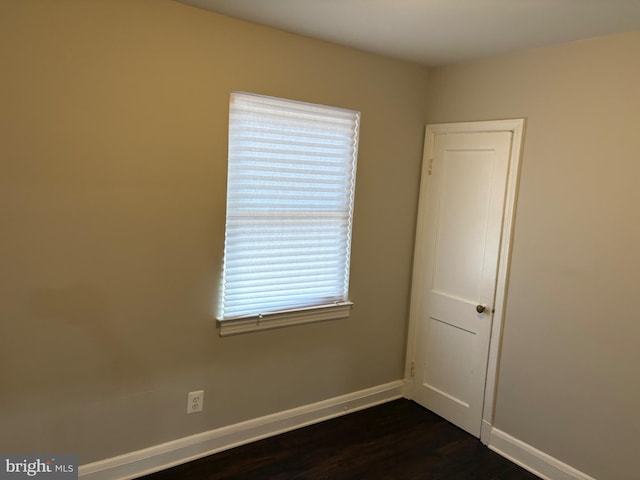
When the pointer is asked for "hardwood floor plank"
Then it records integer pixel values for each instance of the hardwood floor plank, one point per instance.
(397, 440)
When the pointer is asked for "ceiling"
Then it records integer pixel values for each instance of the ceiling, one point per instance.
(437, 32)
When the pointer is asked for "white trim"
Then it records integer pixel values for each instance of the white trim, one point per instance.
(483, 126)
(283, 319)
(516, 126)
(530, 458)
(485, 432)
(407, 388)
(176, 452)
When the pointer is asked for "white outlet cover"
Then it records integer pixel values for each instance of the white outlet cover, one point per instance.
(195, 401)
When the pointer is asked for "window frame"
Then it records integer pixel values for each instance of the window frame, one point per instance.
(233, 325)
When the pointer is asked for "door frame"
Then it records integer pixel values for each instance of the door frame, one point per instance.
(417, 307)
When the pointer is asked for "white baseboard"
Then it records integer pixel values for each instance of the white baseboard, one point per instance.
(530, 458)
(159, 457)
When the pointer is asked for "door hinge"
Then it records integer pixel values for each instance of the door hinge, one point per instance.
(412, 369)
(430, 168)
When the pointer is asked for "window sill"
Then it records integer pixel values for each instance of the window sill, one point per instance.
(284, 319)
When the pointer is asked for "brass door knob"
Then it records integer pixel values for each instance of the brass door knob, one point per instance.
(480, 308)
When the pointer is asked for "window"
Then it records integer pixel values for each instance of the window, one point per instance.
(290, 193)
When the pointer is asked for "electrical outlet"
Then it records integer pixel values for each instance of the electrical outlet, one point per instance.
(195, 401)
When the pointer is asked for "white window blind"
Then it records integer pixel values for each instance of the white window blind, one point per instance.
(290, 194)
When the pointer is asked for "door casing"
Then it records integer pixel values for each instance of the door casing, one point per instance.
(516, 127)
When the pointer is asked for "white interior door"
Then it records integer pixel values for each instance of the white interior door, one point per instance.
(459, 240)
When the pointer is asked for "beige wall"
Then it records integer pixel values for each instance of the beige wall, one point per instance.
(113, 125)
(112, 186)
(569, 382)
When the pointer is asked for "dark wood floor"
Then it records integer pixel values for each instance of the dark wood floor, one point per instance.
(395, 441)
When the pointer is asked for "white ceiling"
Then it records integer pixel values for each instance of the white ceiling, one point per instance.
(437, 32)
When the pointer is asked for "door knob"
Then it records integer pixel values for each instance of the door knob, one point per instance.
(480, 308)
